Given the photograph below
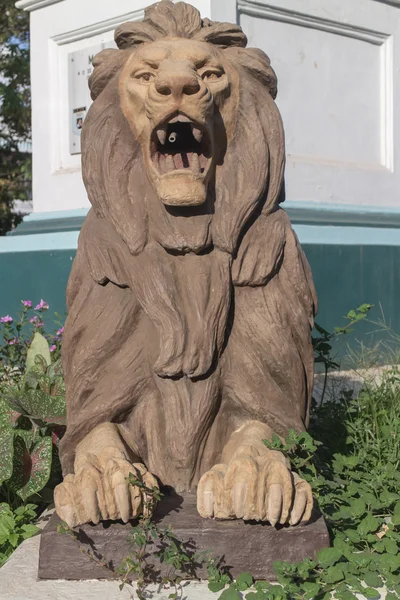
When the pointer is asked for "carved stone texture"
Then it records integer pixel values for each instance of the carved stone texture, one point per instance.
(241, 546)
(190, 300)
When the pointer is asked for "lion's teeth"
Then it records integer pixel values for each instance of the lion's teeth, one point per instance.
(162, 136)
(170, 163)
(195, 163)
(197, 133)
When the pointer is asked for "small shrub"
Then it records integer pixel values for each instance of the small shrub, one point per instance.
(15, 527)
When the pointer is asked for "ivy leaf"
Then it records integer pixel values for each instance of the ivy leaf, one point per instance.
(311, 589)
(32, 464)
(230, 594)
(353, 535)
(396, 520)
(362, 559)
(216, 586)
(7, 524)
(328, 556)
(259, 595)
(333, 574)
(371, 594)
(13, 539)
(29, 530)
(368, 524)
(357, 507)
(244, 581)
(391, 546)
(372, 579)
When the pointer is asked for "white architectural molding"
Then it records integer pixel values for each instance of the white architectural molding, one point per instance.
(97, 28)
(258, 8)
(31, 5)
(311, 175)
(387, 103)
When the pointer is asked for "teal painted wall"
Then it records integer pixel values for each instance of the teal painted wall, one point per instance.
(33, 276)
(345, 277)
(348, 276)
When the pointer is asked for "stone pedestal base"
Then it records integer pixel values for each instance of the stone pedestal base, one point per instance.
(251, 547)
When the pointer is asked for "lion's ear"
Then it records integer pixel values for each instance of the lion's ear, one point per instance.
(224, 35)
(106, 64)
(129, 35)
(257, 64)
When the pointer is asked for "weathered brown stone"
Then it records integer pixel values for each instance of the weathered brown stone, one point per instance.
(190, 301)
(242, 546)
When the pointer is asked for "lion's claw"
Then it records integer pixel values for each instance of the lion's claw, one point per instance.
(257, 488)
(98, 493)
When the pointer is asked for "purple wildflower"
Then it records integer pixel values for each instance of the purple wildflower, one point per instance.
(36, 321)
(60, 331)
(27, 303)
(13, 342)
(42, 305)
(52, 348)
(6, 319)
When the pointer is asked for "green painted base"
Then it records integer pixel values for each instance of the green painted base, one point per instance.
(33, 276)
(354, 255)
(345, 277)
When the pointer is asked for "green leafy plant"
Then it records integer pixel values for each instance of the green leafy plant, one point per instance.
(15, 527)
(32, 418)
(322, 343)
(353, 469)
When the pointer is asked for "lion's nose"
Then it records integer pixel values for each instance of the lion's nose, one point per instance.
(177, 85)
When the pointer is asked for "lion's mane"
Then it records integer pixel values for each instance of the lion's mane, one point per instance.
(182, 270)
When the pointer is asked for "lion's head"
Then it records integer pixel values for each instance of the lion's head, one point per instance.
(183, 143)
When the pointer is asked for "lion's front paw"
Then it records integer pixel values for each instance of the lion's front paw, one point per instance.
(257, 488)
(98, 492)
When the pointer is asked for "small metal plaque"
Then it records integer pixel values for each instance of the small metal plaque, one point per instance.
(80, 67)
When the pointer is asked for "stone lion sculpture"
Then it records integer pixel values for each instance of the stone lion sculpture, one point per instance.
(190, 300)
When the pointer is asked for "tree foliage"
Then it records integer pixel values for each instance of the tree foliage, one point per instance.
(15, 111)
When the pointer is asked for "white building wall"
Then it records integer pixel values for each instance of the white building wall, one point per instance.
(338, 67)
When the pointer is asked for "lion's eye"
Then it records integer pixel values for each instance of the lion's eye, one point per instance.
(212, 75)
(144, 77)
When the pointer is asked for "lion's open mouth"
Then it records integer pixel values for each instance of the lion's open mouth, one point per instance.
(180, 144)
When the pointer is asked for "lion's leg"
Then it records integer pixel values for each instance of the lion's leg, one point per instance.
(99, 488)
(253, 482)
